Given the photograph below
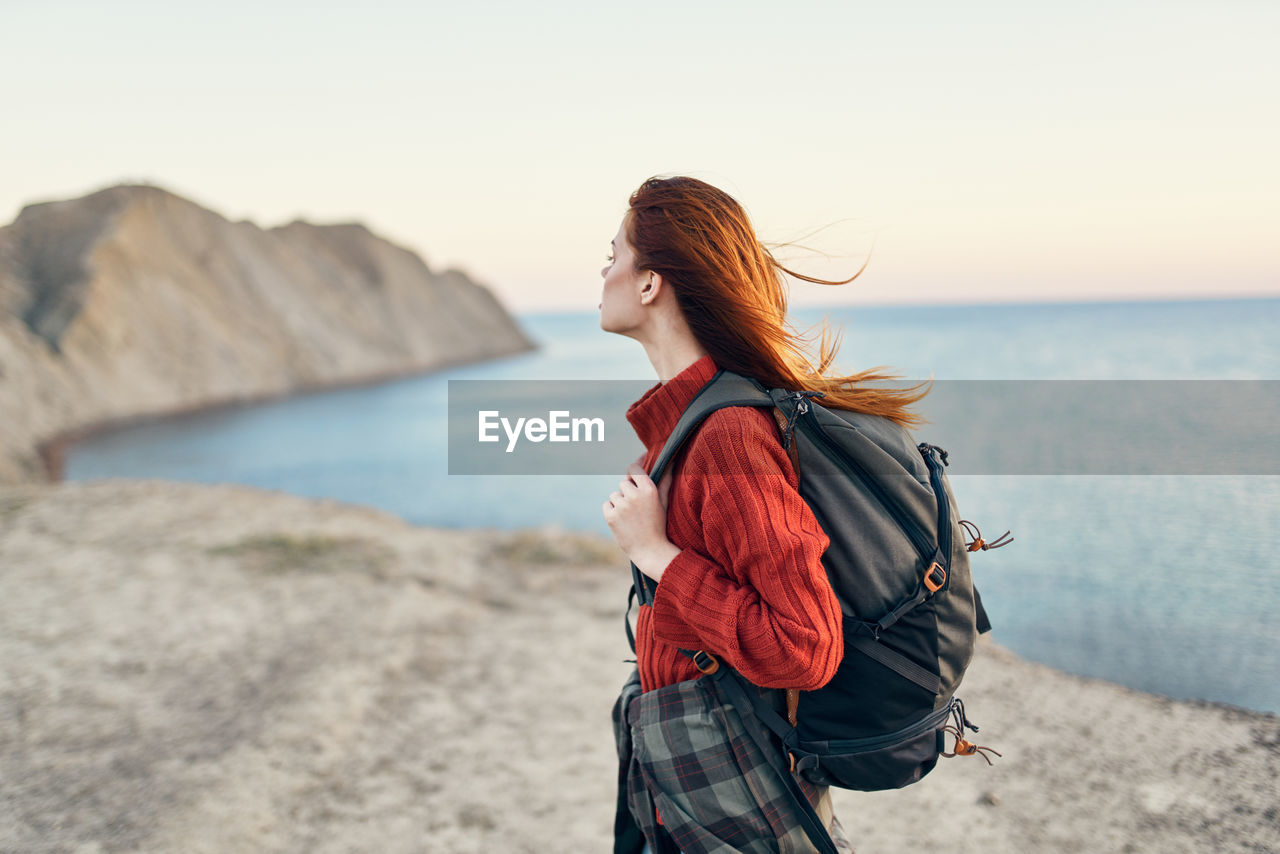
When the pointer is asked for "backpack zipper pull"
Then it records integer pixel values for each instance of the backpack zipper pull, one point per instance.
(964, 747)
(927, 449)
(978, 542)
(800, 408)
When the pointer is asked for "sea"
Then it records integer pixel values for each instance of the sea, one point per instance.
(1167, 583)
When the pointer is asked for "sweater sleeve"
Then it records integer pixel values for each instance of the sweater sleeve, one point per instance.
(756, 593)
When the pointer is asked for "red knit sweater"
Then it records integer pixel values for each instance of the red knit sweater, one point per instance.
(748, 584)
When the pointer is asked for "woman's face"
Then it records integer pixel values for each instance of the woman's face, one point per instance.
(620, 308)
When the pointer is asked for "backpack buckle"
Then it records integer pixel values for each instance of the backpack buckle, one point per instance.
(706, 662)
(935, 577)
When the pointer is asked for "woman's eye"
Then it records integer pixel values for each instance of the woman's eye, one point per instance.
(609, 258)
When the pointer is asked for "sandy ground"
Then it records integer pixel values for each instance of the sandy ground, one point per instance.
(219, 668)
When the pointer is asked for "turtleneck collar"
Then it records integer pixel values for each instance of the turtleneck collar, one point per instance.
(655, 414)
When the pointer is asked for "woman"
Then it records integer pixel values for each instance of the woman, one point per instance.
(737, 559)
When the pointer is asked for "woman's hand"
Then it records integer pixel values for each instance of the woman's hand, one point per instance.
(637, 516)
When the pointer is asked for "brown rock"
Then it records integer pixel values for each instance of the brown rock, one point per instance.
(133, 301)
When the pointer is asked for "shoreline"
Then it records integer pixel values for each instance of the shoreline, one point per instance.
(481, 532)
(552, 531)
(52, 451)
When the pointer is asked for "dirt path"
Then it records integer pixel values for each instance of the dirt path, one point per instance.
(218, 668)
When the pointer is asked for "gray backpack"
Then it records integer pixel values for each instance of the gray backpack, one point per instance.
(899, 565)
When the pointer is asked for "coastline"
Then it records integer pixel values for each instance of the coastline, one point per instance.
(133, 303)
(230, 668)
(52, 451)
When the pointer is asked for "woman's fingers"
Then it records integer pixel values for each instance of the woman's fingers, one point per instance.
(637, 477)
(636, 482)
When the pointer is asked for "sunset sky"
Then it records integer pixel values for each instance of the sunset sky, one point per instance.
(992, 151)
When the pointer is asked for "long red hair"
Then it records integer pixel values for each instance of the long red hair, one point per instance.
(732, 293)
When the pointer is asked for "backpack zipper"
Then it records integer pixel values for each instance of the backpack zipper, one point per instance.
(928, 722)
(931, 453)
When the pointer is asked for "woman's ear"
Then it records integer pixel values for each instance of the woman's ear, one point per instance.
(651, 288)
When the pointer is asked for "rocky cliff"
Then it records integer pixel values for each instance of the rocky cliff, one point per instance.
(133, 301)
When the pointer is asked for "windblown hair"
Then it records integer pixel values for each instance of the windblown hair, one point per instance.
(732, 293)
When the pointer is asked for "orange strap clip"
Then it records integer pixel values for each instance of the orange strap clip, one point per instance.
(934, 577)
(706, 662)
(964, 747)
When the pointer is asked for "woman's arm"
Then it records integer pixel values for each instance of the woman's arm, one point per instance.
(756, 593)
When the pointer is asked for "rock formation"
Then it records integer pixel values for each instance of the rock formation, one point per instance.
(133, 301)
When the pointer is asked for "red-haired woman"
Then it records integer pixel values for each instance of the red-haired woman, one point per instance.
(737, 559)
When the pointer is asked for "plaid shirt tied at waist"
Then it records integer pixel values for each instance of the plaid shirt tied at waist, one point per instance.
(685, 755)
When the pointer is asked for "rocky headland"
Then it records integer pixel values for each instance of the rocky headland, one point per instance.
(133, 302)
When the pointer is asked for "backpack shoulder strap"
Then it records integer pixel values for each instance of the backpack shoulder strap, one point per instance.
(725, 388)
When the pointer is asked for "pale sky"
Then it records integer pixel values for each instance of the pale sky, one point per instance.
(995, 152)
